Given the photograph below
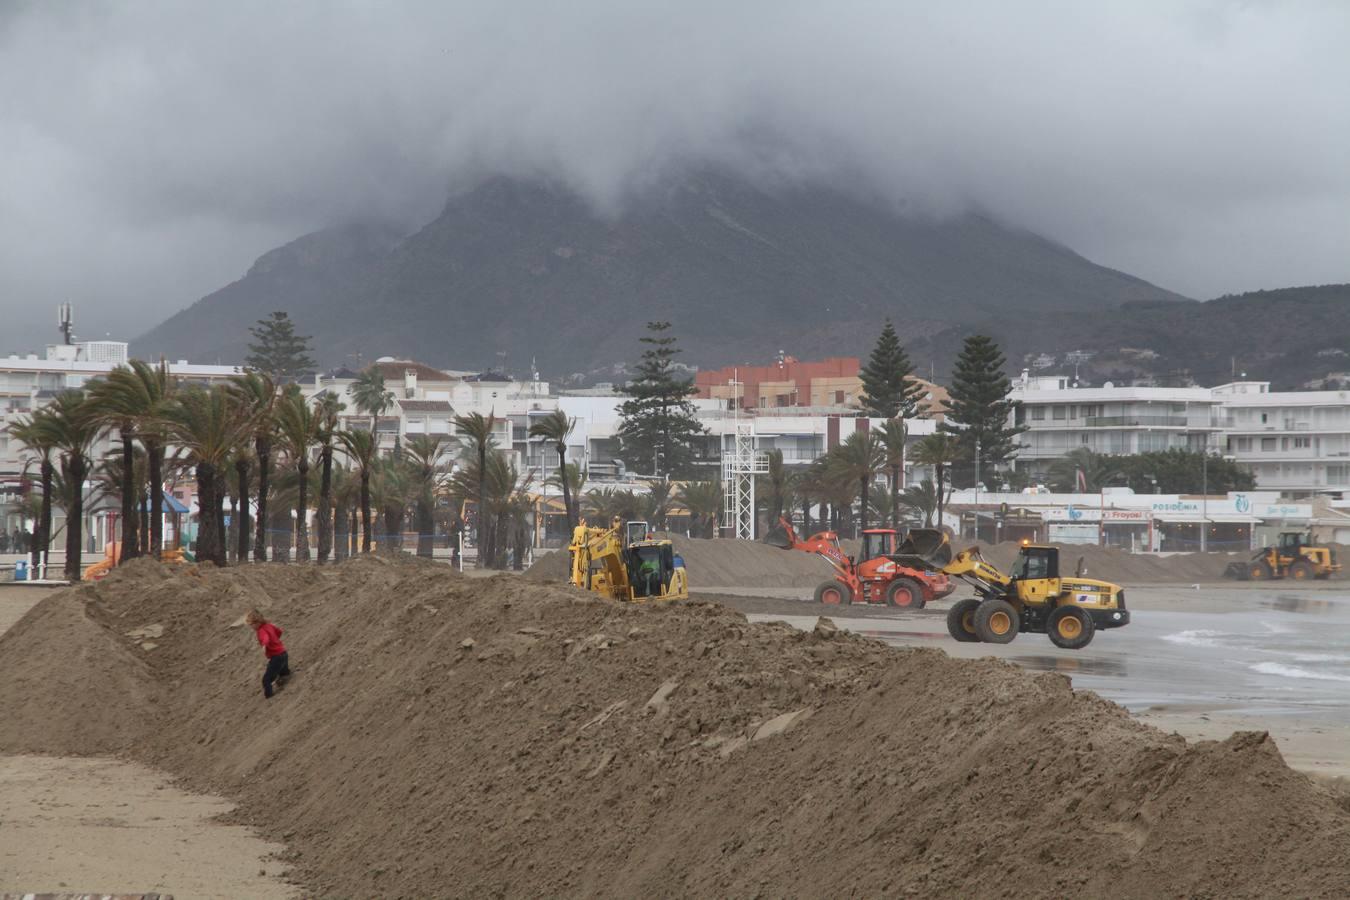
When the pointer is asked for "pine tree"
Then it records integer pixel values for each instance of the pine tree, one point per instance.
(888, 386)
(276, 350)
(979, 410)
(658, 424)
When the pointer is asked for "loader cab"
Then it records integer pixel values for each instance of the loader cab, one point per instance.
(1292, 542)
(1036, 573)
(877, 542)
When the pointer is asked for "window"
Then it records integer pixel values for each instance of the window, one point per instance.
(1073, 411)
(783, 399)
(1267, 444)
(1244, 443)
(1302, 443)
(1263, 418)
(1083, 439)
(1057, 412)
(838, 396)
(1038, 413)
(1284, 443)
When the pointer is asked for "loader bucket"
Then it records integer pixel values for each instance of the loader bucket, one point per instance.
(777, 537)
(925, 548)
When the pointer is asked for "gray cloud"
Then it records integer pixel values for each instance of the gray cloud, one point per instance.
(150, 151)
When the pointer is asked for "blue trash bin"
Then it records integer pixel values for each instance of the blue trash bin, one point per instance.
(21, 570)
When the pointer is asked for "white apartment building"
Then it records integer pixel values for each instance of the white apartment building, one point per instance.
(1108, 419)
(1297, 442)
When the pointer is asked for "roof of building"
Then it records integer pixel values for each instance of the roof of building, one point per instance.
(425, 406)
(393, 370)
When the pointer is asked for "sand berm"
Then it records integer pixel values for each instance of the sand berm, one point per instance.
(456, 736)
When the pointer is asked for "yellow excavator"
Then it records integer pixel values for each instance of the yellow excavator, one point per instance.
(1034, 597)
(626, 563)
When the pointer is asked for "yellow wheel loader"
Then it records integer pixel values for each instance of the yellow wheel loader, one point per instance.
(625, 563)
(1294, 556)
(1034, 597)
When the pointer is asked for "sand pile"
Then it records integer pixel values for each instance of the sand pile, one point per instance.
(721, 563)
(1126, 568)
(455, 736)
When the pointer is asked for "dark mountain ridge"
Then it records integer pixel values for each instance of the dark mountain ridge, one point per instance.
(520, 270)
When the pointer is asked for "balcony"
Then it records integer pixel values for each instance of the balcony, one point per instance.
(1140, 422)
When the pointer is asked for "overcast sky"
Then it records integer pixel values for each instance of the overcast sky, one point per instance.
(150, 151)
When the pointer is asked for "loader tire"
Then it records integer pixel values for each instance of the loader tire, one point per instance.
(1258, 571)
(961, 621)
(1069, 628)
(905, 593)
(1302, 571)
(997, 622)
(834, 593)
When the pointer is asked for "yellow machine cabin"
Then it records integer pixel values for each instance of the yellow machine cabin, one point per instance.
(623, 562)
(1033, 597)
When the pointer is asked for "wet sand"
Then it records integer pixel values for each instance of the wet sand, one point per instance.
(105, 825)
(1203, 662)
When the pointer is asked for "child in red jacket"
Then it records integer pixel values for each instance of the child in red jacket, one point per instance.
(269, 635)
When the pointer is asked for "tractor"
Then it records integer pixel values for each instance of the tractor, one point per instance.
(1292, 556)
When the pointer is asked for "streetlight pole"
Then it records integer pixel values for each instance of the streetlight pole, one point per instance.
(977, 489)
(1204, 501)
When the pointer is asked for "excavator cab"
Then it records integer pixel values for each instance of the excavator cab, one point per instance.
(651, 567)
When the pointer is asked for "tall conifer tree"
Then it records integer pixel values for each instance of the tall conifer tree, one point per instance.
(658, 423)
(888, 386)
(979, 411)
(277, 351)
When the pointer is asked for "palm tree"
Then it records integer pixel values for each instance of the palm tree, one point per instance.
(108, 413)
(1095, 469)
(893, 436)
(71, 428)
(37, 438)
(656, 504)
(257, 393)
(923, 498)
(370, 396)
(345, 489)
(608, 503)
(775, 483)
(860, 457)
(326, 411)
(478, 431)
(555, 427)
(297, 428)
(136, 395)
(360, 448)
(939, 451)
(703, 499)
(424, 453)
(209, 424)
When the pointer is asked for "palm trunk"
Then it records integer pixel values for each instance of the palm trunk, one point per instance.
(302, 513)
(325, 503)
(206, 513)
(355, 533)
(130, 536)
(75, 472)
(566, 489)
(425, 527)
(241, 467)
(482, 487)
(862, 513)
(143, 508)
(340, 534)
(154, 451)
(262, 447)
(367, 526)
(806, 515)
(43, 532)
(941, 497)
(222, 540)
(895, 497)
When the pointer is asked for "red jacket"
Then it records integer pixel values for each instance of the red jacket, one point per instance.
(269, 636)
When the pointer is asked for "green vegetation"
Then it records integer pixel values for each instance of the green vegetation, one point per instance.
(658, 424)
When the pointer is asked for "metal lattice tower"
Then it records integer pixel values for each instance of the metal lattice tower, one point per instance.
(740, 464)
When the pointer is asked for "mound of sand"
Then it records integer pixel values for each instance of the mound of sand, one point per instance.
(721, 563)
(1126, 568)
(731, 564)
(455, 736)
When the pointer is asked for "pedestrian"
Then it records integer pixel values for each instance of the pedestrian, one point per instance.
(4, 540)
(278, 663)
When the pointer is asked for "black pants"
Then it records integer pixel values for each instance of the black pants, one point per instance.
(277, 667)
